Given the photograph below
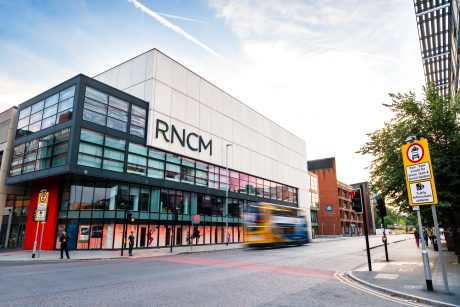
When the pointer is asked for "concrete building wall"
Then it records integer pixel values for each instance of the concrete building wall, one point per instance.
(179, 97)
(7, 129)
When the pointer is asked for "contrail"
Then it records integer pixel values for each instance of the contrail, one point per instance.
(182, 18)
(173, 27)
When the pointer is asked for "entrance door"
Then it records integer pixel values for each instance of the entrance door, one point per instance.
(143, 235)
(179, 236)
(168, 236)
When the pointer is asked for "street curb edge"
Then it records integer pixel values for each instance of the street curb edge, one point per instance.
(401, 294)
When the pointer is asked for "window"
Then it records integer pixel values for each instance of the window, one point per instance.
(90, 148)
(138, 116)
(99, 151)
(137, 159)
(106, 110)
(38, 154)
(53, 110)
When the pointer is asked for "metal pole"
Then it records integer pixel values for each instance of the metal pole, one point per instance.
(190, 236)
(41, 239)
(35, 242)
(441, 253)
(173, 236)
(226, 194)
(426, 261)
(123, 235)
(366, 234)
(334, 230)
(385, 239)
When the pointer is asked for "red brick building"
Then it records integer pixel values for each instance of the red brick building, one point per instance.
(335, 216)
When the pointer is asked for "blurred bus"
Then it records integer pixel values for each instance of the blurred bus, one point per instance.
(274, 225)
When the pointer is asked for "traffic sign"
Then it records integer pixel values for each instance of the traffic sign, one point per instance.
(40, 216)
(419, 173)
(42, 206)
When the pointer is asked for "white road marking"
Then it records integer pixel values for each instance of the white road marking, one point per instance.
(343, 278)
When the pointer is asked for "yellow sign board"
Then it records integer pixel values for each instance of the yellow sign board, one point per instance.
(42, 206)
(419, 173)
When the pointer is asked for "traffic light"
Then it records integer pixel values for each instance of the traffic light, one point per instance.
(356, 200)
(130, 217)
(382, 210)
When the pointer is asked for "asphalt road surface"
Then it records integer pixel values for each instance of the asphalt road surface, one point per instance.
(307, 275)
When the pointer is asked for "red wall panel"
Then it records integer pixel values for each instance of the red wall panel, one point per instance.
(54, 190)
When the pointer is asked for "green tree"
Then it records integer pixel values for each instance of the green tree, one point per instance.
(437, 119)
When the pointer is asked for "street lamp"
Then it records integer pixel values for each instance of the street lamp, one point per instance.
(175, 218)
(226, 193)
(123, 205)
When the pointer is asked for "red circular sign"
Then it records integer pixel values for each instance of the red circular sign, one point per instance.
(415, 152)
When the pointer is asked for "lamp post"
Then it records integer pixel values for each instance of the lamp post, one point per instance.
(226, 193)
(122, 205)
(175, 218)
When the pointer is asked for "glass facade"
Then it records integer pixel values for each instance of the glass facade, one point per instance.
(20, 205)
(93, 212)
(51, 111)
(110, 136)
(102, 151)
(106, 110)
(41, 153)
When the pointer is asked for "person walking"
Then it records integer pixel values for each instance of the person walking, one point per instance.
(228, 238)
(64, 238)
(131, 243)
(417, 238)
(430, 236)
(425, 237)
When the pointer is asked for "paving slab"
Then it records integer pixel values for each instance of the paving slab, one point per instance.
(404, 275)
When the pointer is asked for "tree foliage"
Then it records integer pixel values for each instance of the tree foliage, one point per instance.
(435, 118)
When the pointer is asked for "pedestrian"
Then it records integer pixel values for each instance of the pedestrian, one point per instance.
(64, 238)
(131, 243)
(417, 237)
(425, 237)
(228, 238)
(430, 236)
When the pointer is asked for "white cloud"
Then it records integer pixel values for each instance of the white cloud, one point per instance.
(174, 28)
(14, 91)
(321, 69)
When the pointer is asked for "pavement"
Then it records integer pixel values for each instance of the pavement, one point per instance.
(404, 274)
(26, 255)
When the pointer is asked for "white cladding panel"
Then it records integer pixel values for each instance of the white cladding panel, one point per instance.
(179, 97)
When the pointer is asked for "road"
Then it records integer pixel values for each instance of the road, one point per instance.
(295, 276)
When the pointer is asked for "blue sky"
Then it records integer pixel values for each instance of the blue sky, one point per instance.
(320, 68)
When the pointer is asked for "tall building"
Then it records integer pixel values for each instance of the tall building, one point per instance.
(335, 215)
(438, 29)
(150, 137)
(10, 232)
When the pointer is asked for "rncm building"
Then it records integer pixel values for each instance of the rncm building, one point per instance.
(152, 137)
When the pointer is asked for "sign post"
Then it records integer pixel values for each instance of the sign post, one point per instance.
(40, 216)
(422, 191)
(366, 232)
(41, 239)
